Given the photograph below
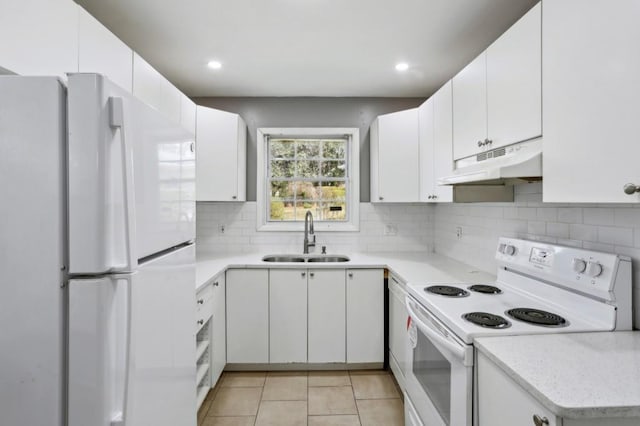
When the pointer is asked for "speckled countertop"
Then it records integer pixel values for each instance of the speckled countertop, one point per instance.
(579, 376)
(410, 267)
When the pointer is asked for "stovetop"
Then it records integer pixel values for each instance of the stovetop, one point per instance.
(565, 289)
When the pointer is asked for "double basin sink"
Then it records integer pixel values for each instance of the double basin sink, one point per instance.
(288, 258)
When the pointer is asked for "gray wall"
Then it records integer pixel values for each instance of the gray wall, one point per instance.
(309, 112)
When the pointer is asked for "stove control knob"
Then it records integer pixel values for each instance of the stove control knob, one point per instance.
(594, 269)
(579, 265)
(510, 250)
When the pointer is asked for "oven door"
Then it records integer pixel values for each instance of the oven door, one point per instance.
(439, 370)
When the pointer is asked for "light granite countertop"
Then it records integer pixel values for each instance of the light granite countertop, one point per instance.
(578, 376)
(410, 267)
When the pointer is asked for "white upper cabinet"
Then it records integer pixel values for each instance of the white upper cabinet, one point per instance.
(497, 97)
(100, 51)
(514, 82)
(221, 156)
(470, 108)
(395, 157)
(152, 88)
(39, 37)
(436, 144)
(591, 100)
(187, 113)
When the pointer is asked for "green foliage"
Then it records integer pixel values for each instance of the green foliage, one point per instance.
(277, 210)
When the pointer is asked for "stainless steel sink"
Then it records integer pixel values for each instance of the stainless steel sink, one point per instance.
(283, 258)
(289, 258)
(328, 259)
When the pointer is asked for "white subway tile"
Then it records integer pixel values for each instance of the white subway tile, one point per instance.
(571, 215)
(536, 228)
(598, 216)
(616, 236)
(583, 232)
(559, 230)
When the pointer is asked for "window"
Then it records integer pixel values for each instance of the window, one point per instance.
(302, 170)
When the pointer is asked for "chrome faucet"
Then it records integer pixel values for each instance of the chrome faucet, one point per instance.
(308, 230)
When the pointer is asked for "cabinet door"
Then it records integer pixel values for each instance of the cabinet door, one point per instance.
(217, 155)
(591, 100)
(442, 141)
(248, 316)
(397, 157)
(397, 325)
(327, 319)
(365, 315)
(514, 82)
(147, 82)
(100, 51)
(501, 401)
(470, 108)
(425, 125)
(287, 315)
(39, 37)
(218, 329)
(188, 113)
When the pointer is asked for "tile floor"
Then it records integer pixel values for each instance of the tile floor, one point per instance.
(314, 398)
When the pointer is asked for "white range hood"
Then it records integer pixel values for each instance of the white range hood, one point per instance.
(509, 165)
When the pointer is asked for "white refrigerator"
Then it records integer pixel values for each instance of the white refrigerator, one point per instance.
(97, 258)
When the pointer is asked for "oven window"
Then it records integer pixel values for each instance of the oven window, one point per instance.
(433, 372)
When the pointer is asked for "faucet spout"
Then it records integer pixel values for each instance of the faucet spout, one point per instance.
(308, 230)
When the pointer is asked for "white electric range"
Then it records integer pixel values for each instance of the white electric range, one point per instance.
(540, 288)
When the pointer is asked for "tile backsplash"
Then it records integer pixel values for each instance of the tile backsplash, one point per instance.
(601, 227)
(411, 224)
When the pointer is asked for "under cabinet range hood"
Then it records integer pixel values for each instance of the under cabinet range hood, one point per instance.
(510, 165)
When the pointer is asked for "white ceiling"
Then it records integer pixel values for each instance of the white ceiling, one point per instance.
(308, 47)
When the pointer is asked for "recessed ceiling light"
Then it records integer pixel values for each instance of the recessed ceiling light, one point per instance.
(402, 66)
(216, 65)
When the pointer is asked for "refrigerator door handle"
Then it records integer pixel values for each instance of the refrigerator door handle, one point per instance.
(100, 351)
(117, 120)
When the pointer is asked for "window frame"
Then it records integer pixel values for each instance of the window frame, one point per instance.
(353, 183)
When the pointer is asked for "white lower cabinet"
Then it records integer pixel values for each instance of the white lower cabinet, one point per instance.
(248, 316)
(287, 315)
(501, 401)
(397, 329)
(203, 321)
(218, 329)
(327, 321)
(365, 316)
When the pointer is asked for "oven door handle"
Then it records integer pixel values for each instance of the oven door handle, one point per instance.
(460, 351)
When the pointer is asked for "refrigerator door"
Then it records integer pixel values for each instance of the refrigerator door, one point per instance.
(131, 178)
(132, 345)
(32, 250)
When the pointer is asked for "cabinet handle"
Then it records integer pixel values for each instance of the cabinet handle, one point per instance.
(216, 283)
(540, 421)
(480, 144)
(311, 274)
(200, 322)
(350, 274)
(200, 301)
(234, 197)
(631, 189)
(430, 197)
(380, 198)
(192, 147)
(303, 274)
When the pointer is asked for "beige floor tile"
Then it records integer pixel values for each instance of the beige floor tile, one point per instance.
(329, 378)
(334, 421)
(230, 421)
(236, 379)
(373, 386)
(236, 402)
(285, 388)
(287, 374)
(282, 413)
(381, 412)
(331, 400)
